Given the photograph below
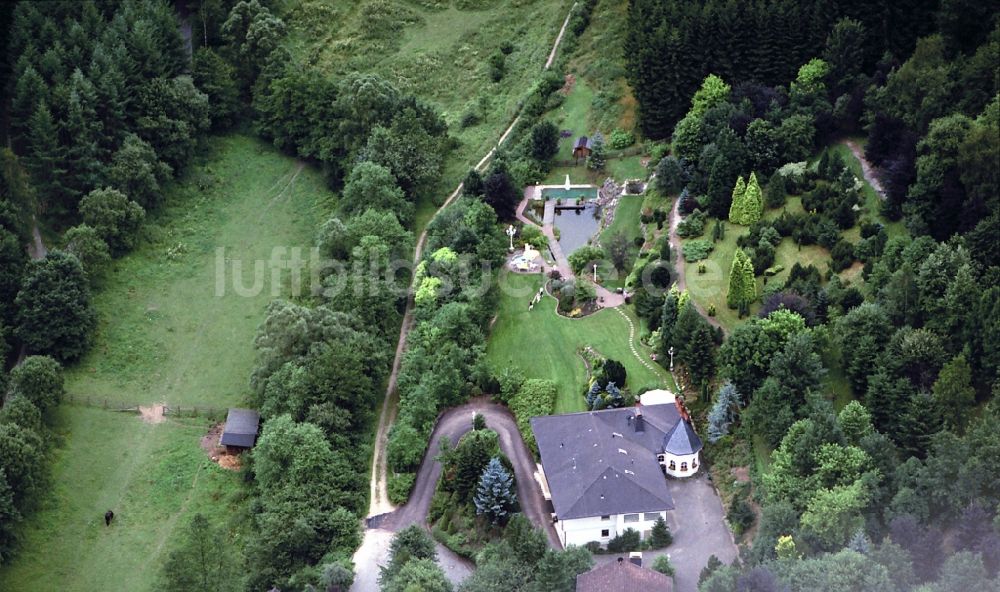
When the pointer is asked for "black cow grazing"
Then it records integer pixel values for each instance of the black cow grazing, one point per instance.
(108, 517)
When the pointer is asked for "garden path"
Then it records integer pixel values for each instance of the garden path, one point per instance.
(866, 167)
(677, 250)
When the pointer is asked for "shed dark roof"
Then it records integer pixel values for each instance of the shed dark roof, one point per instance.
(681, 440)
(597, 464)
(622, 576)
(582, 142)
(241, 428)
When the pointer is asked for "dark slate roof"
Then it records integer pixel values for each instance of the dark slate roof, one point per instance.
(682, 439)
(596, 463)
(241, 428)
(622, 576)
(582, 142)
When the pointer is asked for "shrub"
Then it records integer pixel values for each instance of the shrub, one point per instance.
(626, 541)
(692, 226)
(506, 47)
(399, 487)
(533, 236)
(593, 547)
(469, 119)
(740, 515)
(662, 564)
(584, 256)
(658, 152)
(638, 242)
(842, 255)
(621, 139)
(688, 204)
(696, 250)
(535, 397)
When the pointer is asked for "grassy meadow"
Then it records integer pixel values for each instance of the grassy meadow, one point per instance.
(165, 337)
(154, 477)
(438, 50)
(544, 345)
(164, 334)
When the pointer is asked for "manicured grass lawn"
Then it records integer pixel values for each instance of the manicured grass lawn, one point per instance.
(626, 222)
(620, 169)
(627, 167)
(154, 477)
(543, 344)
(709, 289)
(165, 334)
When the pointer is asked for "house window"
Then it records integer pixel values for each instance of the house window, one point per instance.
(605, 517)
(694, 464)
(605, 533)
(673, 466)
(631, 517)
(684, 466)
(650, 516)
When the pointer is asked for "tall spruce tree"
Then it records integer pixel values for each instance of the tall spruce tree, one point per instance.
(495, 496)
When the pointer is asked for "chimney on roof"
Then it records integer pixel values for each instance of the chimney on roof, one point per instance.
(682, 410)
(621, 560)
(640, 425)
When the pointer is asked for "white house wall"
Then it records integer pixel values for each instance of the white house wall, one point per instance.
(580, 531)
(693, 464)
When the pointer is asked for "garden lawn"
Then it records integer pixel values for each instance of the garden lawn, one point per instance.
(544, 345)
(154, 477)
(626, 222)
(165, 335)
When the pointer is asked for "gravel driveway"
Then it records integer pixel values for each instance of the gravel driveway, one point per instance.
(453, 424)
(699, 531)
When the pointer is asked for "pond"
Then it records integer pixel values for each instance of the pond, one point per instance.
(576, 226)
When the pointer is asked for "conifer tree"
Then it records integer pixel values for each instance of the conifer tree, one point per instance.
(742, 287)
(660, 536)
(495, 497)
(723, 412)
(736, 208)
(953, 392)
(753, 201)
(45, 159)
(699, 353)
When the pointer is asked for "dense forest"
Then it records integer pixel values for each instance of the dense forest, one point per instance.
(898, 489)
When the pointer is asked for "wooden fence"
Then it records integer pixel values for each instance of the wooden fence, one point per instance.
(129, 407)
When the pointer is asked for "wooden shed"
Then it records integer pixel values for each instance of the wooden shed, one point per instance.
(581, 149)
(241, 429)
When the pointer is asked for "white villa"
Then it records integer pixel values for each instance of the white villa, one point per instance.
(604, 470)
